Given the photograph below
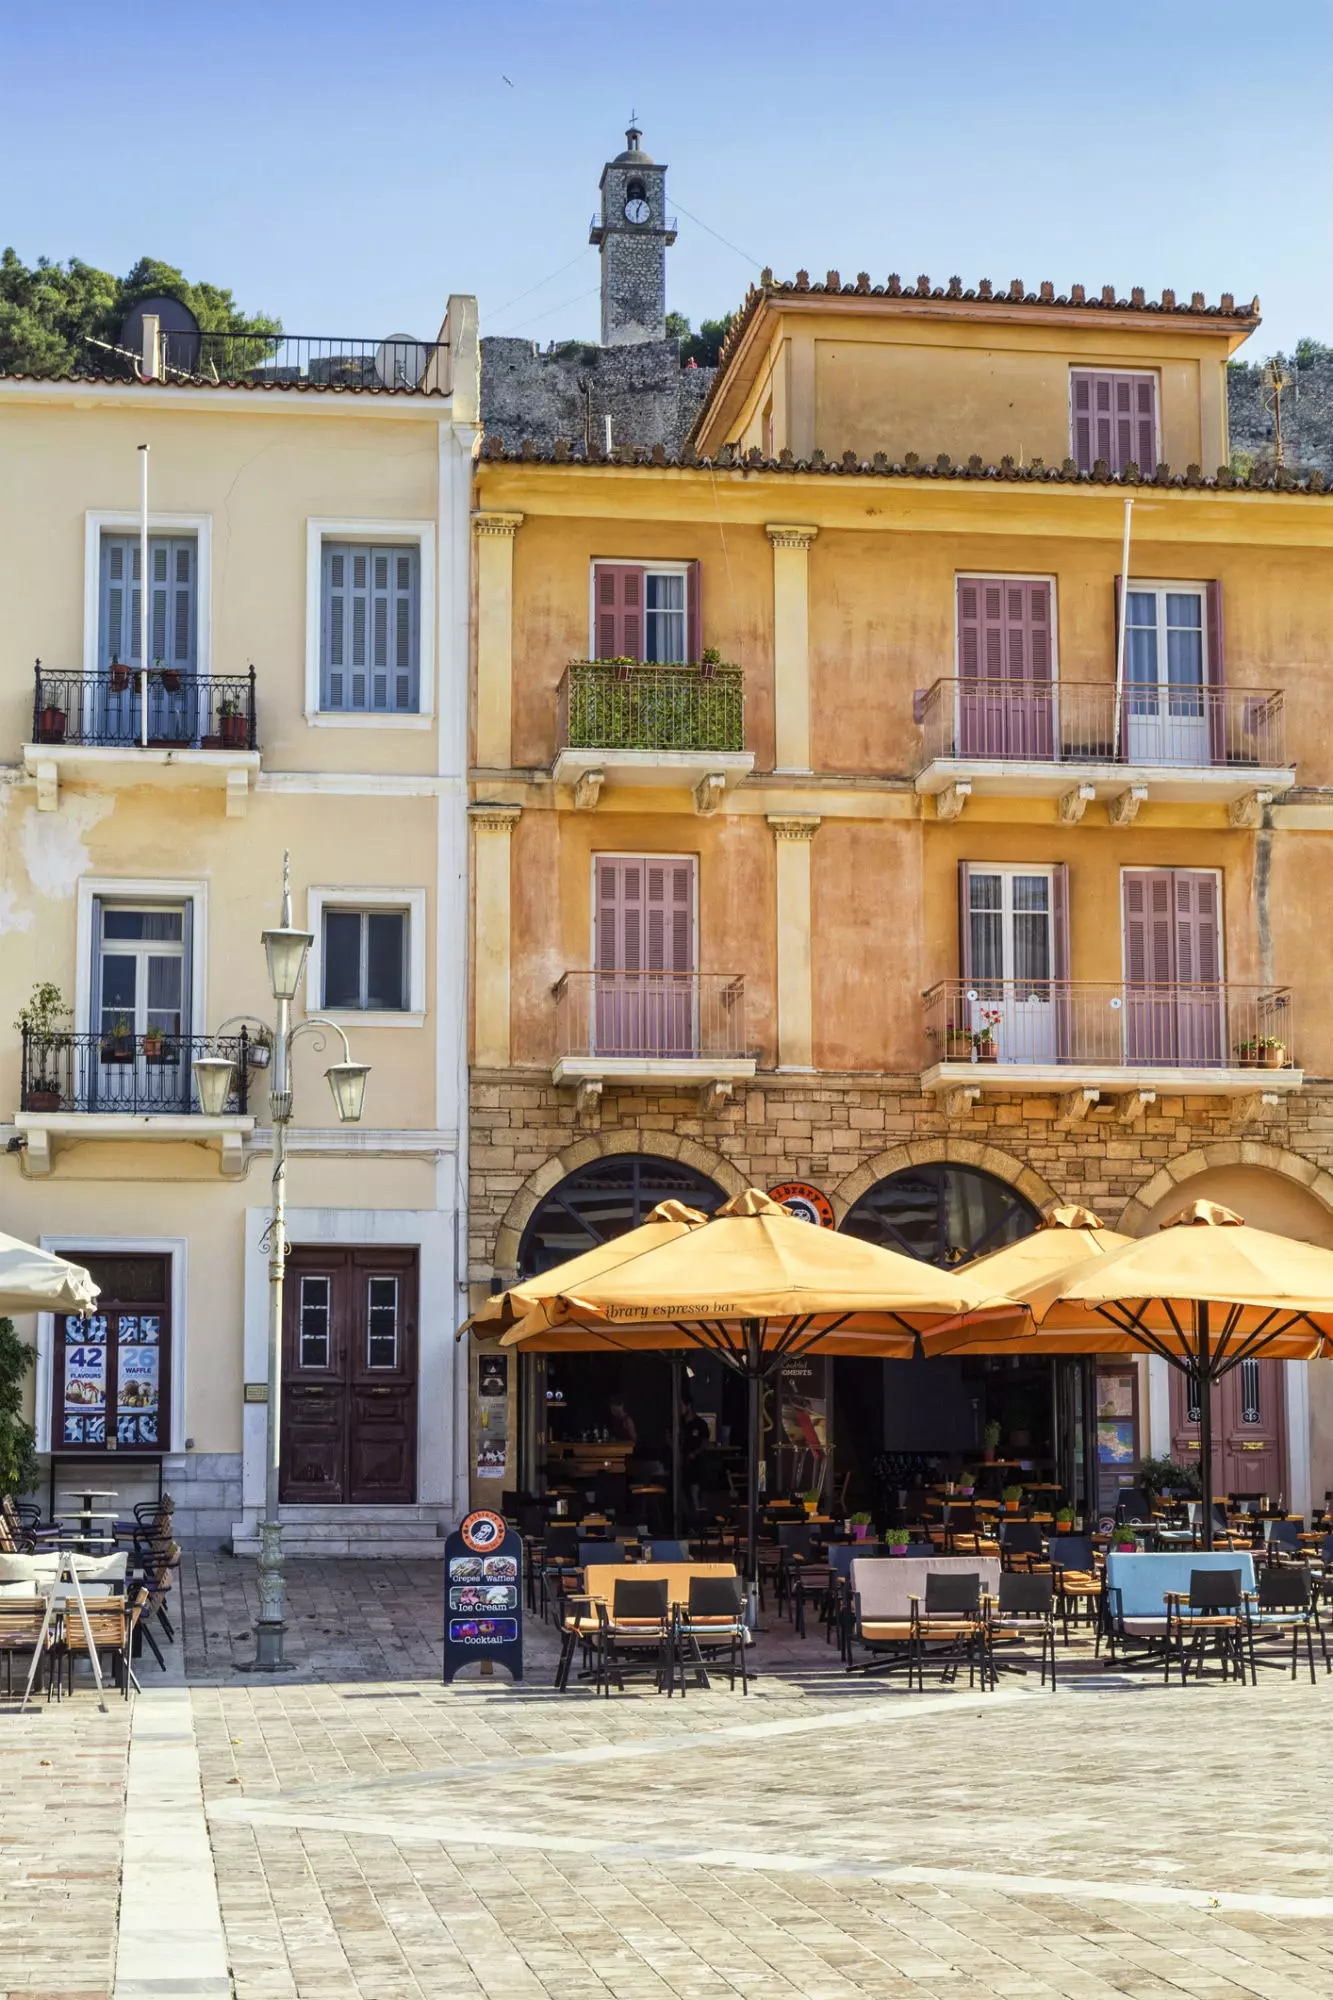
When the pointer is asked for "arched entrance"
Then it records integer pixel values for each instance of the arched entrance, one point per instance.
(898, 1425)
(941, 1212)
(604, 1427)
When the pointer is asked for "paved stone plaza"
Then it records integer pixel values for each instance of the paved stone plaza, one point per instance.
(375, 1836)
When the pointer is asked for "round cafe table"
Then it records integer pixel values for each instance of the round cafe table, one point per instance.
(87, 1496)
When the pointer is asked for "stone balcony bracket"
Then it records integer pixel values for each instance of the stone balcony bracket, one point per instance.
(1248, 812)
(950, 802)
(1072, 805)
(1123, 809)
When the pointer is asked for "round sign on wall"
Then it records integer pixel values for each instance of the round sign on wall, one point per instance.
(806, 1203)
(483, 1531)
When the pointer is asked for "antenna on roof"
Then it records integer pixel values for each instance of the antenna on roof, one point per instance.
(1274, 381)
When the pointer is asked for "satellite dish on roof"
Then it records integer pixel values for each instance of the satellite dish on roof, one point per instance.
(400, 361)
(179, 330)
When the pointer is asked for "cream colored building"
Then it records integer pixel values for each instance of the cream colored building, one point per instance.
(308, 645)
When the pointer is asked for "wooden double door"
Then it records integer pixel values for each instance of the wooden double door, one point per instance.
(349, 1376)
(1249, 1428)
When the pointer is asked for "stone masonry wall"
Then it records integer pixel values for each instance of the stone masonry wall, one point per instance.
(846, 1133)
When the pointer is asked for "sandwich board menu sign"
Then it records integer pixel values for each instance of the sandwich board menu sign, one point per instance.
(483, 1595)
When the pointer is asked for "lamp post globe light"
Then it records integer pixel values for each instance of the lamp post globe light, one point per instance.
(285, 948)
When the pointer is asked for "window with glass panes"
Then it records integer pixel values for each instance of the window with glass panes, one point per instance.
(365, 960)
(370, 636)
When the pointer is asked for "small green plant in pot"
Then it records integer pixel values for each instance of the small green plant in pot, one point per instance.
(1011, 1495)
(41, 1023)
(1125, 1539)
(990, 1440)
(898, 1540)
(860, 1526)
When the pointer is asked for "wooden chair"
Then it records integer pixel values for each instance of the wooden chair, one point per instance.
(20, 1629)
(103, 1627)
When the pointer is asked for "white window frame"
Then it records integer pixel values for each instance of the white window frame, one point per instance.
(1116, 368)
(177, 1248)
(349, 896)
(649, 568)
(319, 530)
(125, 521)
(1009, 576)
(1161, 585)
(1007, 871)
(132, 889)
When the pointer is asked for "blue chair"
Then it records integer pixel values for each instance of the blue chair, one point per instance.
(602, 1552)
(1134, 1607)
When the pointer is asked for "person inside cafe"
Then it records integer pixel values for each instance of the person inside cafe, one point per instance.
(623, 1428)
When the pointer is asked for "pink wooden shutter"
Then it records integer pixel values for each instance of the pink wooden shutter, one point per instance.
(1150, 957)
(1113, 416)
(969, 628)
(1215, 676)
(965, 921)
(618, 593)
(1037, 622)
(669, 916)
(1081, 419)
(694, 613)
(1197, 955)
(1145, 422)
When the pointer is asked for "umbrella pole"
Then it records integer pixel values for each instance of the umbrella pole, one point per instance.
(1091, 1459)
(1205, 1424)
(754, 1355)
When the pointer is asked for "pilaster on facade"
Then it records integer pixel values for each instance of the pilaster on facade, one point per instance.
(493, 826)
(794, 835)
(495, 532)
(791, 643)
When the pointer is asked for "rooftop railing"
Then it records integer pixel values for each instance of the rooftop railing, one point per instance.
(629, 705)
(656, 1015)
(1099, 1024)
(1081, 722)
(118, 1070)
(124, 709)
(281, 360)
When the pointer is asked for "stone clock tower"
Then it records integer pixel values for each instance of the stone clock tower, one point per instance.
(633, 233)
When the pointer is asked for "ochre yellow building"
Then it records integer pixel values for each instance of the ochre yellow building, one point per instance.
(828, 829)
(305, 691)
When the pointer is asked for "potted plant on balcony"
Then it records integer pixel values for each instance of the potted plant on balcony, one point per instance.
(170, 677)
(1248, 1053)
(259, 1048)
(157, 1046)
(984, 1039)
(44, 1040)
(51, 723)
(118, 1041)
(120, 676)
(1272, 1052)
(232, 723)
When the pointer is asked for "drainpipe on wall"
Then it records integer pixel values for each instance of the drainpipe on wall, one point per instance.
(1120, 649)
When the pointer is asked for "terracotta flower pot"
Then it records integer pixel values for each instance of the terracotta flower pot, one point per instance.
(1273, 1058)
(987, 1052)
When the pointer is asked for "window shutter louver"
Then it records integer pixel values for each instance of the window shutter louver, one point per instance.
(969, 629)
(694, 612)
(618, 597)
(1081, 399)
(1150, 930)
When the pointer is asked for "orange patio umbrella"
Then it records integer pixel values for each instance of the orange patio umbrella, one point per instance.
(508, 1308)
(1204, 1292)
(758, 1288)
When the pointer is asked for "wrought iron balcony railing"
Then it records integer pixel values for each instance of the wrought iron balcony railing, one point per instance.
(1100, 1024)
(655, 1015)
(283, 360)
(627, 705)
(122, 709)
(120, 1071)
(1081, 722)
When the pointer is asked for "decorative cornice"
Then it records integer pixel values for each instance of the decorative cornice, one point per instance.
(493, 818)
(793, 826)
(504, 526)
(785, 536)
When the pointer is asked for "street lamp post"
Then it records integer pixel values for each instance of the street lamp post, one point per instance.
(286, 949)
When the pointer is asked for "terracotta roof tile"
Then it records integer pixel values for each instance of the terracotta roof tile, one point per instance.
(730, 459)
(285, 388)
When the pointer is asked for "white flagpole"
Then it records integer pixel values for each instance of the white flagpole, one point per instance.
(143, 595)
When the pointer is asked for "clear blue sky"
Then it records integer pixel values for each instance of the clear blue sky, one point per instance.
(347, 164)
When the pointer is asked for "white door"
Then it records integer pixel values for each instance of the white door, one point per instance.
(142, 1056)
(1166, 699)
(1012, 958)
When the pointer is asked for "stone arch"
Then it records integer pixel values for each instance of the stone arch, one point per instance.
(602, 1146)
(934, 1152)
(1224, 1153)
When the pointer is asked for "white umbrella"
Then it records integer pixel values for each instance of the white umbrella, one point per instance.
(32, 1280)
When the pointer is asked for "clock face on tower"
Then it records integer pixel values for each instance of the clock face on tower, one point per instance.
(637, 209)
